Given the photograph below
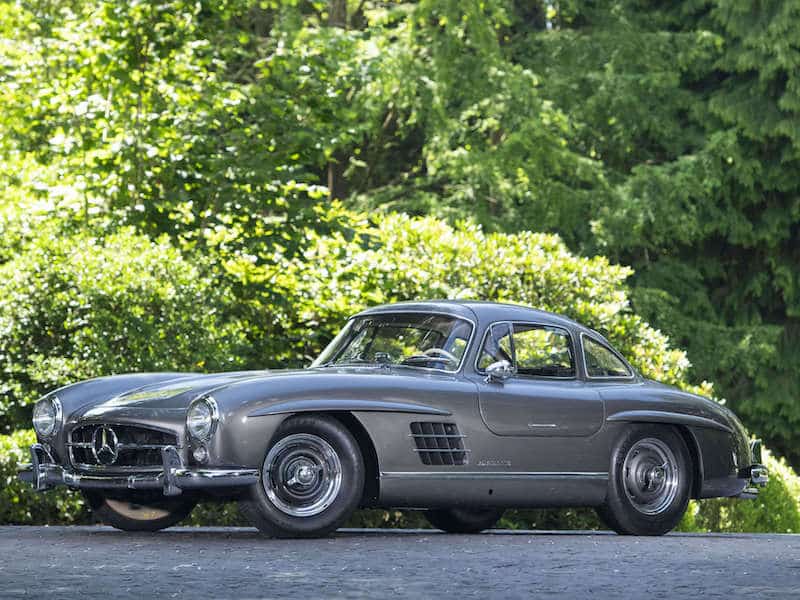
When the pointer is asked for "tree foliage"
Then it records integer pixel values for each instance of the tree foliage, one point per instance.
(404, 258)
(156, 153)
(693, 110)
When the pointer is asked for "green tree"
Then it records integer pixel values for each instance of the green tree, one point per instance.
(693, 110)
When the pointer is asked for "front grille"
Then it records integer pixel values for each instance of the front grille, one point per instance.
(130, 447)
(439, 443)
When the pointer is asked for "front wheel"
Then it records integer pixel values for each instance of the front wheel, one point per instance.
(312, 479)
(139, 514)
(463, 520)
(650, 482)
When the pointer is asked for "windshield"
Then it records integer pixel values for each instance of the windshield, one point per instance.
(409, 339)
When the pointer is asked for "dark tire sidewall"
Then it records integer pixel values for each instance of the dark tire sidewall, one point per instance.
(269, 519)
(178, 508)
(463, 520)
(619, 512)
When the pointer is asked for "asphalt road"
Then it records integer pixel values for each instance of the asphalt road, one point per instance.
(98, 562)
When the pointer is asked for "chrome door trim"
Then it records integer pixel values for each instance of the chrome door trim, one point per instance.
(469, 475)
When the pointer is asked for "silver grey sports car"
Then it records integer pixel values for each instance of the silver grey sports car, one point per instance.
(462, 409)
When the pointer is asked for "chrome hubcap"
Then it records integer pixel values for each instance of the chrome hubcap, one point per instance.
(302, 475)
(650, 476)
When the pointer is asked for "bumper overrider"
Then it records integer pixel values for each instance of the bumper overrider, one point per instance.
(756, 474)
(43, 473)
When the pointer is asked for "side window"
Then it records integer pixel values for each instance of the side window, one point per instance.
(496, 346)
(543, 351)
(601, 362)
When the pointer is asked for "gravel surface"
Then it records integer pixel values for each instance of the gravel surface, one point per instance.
(99, 562)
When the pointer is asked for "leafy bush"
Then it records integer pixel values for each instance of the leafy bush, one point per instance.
(776, 510)
(19, 503)
(405, 258)
(76, 307)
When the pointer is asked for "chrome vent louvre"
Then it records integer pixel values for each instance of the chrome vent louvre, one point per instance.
(136, 448)
(439, 443)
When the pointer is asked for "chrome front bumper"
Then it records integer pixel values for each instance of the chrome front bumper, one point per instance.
(43, 473)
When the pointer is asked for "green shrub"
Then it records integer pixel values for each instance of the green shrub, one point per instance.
(776, 510)
(404, 258)
(19, 503)
(76, 307)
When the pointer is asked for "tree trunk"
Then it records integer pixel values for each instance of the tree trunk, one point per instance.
(337, 185)
(337, 15)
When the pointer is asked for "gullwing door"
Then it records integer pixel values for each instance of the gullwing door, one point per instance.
(540, 394)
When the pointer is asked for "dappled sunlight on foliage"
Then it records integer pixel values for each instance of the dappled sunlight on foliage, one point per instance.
(218, 185)
(405, 258)
(77, 307)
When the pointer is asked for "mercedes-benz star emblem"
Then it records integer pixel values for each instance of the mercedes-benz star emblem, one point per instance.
(104, 445)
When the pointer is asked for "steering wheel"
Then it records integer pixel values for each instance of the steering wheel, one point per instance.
(441, 352)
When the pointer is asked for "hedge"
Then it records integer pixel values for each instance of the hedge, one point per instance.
(77, 306)
(777, 509)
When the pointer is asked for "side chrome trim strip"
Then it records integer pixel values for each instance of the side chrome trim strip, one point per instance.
(292, 406)
(468, 475)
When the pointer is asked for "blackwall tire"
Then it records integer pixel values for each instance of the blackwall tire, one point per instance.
(130, 515)
(463, 520)
(312, 479)
(650, 481)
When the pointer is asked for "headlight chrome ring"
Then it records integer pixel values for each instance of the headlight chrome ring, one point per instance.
(47, 416)
(202, 418)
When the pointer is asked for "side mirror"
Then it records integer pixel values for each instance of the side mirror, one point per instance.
(499, 371)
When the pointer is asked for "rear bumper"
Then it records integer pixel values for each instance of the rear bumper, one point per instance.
(43, 473)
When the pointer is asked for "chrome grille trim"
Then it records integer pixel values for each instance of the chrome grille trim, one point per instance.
(131, 455)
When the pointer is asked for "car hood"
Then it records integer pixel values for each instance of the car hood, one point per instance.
(170, 394)
(174, 394)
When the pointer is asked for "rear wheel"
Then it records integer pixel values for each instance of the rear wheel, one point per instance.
(463, 520)
(312, 479)
(139, 514)
(650, 482)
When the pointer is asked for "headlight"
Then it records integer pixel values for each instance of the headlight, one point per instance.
(47, 416)
(201, 418)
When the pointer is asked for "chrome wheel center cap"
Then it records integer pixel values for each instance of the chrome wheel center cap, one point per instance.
(304, 474)
(656, 475)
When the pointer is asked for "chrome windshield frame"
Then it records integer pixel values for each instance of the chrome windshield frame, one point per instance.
(461, 363)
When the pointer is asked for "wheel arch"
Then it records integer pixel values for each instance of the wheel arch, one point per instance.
(365, 444)
(696, 457)
(692, 445)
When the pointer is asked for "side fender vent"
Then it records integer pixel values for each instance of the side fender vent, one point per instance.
(439, 443)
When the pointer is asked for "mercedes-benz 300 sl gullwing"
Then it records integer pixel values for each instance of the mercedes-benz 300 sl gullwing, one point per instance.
(462, 409)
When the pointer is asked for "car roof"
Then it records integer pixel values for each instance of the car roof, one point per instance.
(481, 311)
